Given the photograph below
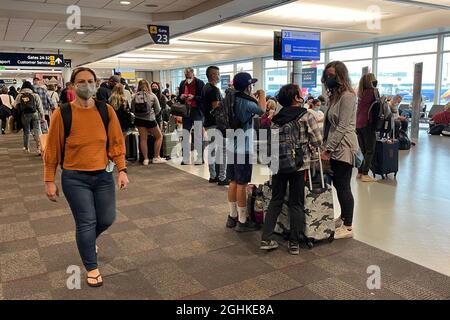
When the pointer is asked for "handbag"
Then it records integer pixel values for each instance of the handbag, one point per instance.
(180, 110)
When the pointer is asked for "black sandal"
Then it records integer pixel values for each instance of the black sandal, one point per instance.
(96, 285)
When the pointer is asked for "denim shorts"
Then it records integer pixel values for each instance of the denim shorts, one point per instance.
(241, 173)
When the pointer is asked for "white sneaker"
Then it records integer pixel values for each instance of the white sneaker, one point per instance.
(146, 162)
(26, 150)
(343, 233)
(159, 160)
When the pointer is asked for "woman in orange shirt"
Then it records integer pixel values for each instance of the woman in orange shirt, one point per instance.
(85, 146)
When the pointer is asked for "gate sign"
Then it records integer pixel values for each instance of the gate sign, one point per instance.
(31, 60)
(159, 34)
(309, 78)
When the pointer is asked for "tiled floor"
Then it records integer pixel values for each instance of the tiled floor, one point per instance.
(409, 216)
(169, 241)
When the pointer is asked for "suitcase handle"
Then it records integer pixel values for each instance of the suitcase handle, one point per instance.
(322, 179)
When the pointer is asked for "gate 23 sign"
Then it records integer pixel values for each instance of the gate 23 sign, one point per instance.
(159, 34)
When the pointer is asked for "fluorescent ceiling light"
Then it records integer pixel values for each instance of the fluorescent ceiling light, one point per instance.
(80, 32)
(125, 3)
(317, 12)
(180, 50)
(229, 43)
(421, 4)
(68, 40)
(130, 60)
(307, 27)
(146, 56)
(237, 31)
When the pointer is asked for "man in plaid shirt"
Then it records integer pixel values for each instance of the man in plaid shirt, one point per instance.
(47, 103)
(298, 128)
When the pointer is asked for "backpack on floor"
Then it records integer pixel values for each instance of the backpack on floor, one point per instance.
(27, 103)
(66, 114)
(403, 141)
(436, 129)
(446, 131)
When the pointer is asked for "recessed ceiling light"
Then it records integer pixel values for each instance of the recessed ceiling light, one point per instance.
(80, 32)
(68, 40)
(125, 3)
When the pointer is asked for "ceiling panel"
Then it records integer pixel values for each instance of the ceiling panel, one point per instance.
(17, 29)
(181, 5)
(67, 2)
(39, 30)
(160, 4)
(115, 5)
(3, 27)
(93, 3)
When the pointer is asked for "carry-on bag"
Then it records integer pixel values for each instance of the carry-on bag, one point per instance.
(132, 146)
(385, 160)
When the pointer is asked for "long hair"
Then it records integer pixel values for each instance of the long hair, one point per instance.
(342, 78)
(159, 95)
(366, 83)
(143, 85)
(118, 97)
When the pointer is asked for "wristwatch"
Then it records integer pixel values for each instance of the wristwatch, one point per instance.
(124, 170)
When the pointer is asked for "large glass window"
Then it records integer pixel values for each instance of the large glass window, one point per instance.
(245, 67)
(275, 76)
(352, 54)
(355, 70)
(317, 90)
(447, 43)
(410, 47)
(396, 76)
(176, 77)
(445, 88)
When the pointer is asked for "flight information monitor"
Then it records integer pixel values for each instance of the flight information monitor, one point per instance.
(300, 46)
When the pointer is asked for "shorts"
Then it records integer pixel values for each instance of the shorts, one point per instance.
(149, 124)
(240, 173)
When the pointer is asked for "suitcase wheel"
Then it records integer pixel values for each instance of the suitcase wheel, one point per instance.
(331, 238)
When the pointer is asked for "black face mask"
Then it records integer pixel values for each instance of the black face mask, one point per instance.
(155, 91)
(332, 83)
(375, 83)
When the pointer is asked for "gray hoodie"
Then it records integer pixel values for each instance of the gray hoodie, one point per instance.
(40, 108)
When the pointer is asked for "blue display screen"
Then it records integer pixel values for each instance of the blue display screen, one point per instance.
(298, 45)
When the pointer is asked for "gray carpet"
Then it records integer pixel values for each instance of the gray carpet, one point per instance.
(170, 242)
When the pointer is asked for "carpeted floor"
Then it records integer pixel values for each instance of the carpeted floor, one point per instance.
(170, 242)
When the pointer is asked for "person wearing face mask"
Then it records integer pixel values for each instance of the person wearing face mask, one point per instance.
(240, 155)
(190, 93)
(314, 109)
(365, 129)
(340, 140)
(105, 90)
(85, 139)
(306, 133)
(165, 110)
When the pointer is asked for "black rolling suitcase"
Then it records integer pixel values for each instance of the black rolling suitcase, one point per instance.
(132, 146)
(385, 160)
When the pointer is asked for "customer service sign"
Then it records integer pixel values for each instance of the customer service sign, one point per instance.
(31, 60)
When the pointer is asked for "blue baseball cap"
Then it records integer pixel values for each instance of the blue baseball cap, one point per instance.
(242, 80)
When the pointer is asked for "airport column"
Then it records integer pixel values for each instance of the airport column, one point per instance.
(416, 104)
(297, 67)
(66, 73)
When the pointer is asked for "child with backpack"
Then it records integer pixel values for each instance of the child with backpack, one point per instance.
(30, 107)
(298, 132)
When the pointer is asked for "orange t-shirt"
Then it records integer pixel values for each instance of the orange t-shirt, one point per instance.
(86, 146)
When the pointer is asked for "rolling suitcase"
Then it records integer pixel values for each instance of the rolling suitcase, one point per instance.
(385, 160)
(132, 146)
(170, 142)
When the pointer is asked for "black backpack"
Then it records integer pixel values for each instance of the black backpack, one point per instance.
(27, 103)
(224, 114)
(140, 107)
(404, 143)
(66, 114)
(380, 114)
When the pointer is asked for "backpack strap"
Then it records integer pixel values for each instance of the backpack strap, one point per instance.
(66, 114)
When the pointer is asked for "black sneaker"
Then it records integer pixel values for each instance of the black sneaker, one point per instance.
(185, 164)
(294, 248)
(3, 131)
(268, 245)
(215, 180)
(224, 183)
(249, 226)
(231, 222)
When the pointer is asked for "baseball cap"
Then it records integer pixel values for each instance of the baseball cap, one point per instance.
(242, 80)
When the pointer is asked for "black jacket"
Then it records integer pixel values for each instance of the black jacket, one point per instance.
(198, 92)
(104, 92)
(286, 115)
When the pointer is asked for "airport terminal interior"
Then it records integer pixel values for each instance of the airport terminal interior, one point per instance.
(169, 240)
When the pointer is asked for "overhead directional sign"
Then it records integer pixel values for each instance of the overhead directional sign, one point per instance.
(159, 34)
(31, 60)
(68, 63)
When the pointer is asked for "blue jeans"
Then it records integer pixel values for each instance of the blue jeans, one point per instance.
(92, 198)
(28, 120)
(217, 156)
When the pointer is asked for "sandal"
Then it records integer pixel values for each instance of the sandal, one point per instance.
(96, 285)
